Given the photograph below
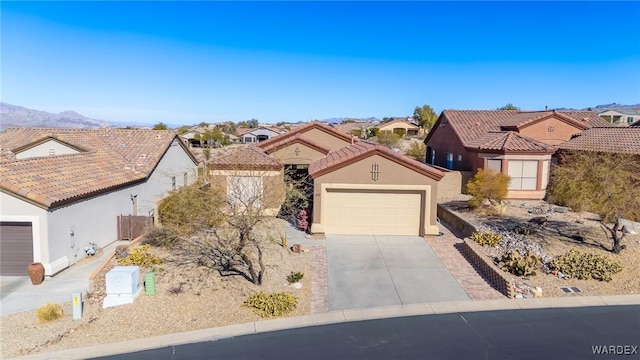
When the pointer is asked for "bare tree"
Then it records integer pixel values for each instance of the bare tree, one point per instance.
(245, 198)
(607, 184)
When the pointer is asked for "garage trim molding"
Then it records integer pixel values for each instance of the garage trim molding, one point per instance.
(318, 225)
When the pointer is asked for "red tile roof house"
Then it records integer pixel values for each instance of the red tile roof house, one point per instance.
(517, 143)
(359, 187)
(62, 189)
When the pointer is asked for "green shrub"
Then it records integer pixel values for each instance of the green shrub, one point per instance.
(519, 265)
(487, 239)
(487, 184)
(272, 304)
(295, 277)
(584, 266)
(49, 312)
(162, 237)
(140, 256)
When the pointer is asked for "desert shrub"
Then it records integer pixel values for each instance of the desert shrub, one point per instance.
(519, 265)
(192, 207)
(487, 184)
(586, 266)
(487, 239)
(140, 256)
(121, 251)
(49, 312)
(163, 237)
(271, 304)
(295, 277)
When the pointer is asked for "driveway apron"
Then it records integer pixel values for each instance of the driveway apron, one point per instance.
(370, 271)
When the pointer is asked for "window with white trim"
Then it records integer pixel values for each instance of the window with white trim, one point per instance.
(523, 173)
(494, 164)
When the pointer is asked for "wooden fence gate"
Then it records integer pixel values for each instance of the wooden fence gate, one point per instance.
(132, 226)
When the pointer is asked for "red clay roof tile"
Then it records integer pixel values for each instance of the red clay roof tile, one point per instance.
(245, 158)
(109, 158)
(352, 153)
(625, 140)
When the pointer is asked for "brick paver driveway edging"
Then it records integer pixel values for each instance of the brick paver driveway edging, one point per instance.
(371, 271)
(447, 247)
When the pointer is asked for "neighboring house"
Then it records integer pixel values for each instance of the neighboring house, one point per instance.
(400, 127)
(249, 177)
(517, 143)
(359, 187)
(620, 116)
(606, 140)
(62, 189)
(306, 143)
(357, 128)
(191, 136)
(256, 135)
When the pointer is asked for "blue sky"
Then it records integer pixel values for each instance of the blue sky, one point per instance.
(183, 63)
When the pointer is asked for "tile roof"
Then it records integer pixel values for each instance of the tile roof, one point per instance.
(509, 141)
(304, 128)
(621, 110)
(581, 119)
(624, 140)
(109, 158)
(360, 150)
(470, 125)
(297, 139)
(245, 158)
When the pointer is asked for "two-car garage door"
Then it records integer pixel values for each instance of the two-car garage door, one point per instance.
(16, 247)
(373, 212)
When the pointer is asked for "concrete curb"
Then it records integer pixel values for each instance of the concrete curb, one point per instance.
(333, 317)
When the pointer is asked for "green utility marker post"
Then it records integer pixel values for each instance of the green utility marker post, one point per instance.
(150, 283)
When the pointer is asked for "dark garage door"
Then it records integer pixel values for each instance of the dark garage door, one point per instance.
(16, 247)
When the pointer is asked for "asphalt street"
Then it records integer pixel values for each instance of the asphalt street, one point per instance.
(553, 333)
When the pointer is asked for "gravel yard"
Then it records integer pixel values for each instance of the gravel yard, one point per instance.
(187, 298)
(555, 238)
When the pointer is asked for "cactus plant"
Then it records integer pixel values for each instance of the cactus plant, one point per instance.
(519, 265)
(584, 266)
(487, 238)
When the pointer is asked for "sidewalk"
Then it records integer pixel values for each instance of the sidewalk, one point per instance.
(18, 294)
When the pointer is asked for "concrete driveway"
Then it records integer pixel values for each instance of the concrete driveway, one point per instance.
(369, 271)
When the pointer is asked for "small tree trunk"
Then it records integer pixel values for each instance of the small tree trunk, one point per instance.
(617, 238)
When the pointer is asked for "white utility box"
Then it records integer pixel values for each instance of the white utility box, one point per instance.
(122, 286)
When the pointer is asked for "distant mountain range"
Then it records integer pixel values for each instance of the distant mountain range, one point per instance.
(18, 116)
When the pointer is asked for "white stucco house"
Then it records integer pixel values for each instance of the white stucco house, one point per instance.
(620, 116)
(255, 135)
(61, 189)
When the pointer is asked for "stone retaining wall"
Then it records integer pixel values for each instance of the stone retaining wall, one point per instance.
(471, 250)
(454, 219)
(474, 254)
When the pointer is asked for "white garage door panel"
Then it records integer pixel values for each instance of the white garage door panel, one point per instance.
(373, 213)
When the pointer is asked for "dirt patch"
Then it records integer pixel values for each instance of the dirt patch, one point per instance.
(188, 298)
(561, 231)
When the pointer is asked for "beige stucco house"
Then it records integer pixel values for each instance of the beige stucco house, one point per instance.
(400, 126)
(359, 187)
